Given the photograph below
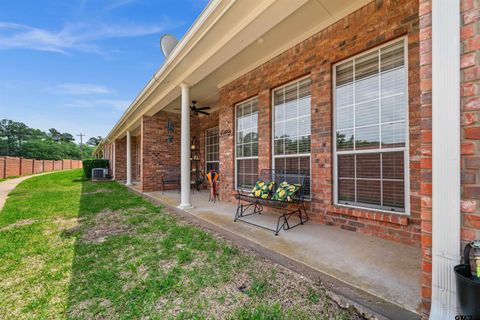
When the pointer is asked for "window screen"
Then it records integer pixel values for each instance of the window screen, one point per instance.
(211, 149)
(246, 143)
(291, 129)
(371, 126)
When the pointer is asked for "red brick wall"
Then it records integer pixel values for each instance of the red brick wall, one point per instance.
(48, 165)
(121, 159)
(12, 167)
(57, 164)
(158, 156)
(138, 154)
(38, 166)
(470, 115)
(67, 164)
(374, 24)
(2, 167)
(26, 166)
(133, 147)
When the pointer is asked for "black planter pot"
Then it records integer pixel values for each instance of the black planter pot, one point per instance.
(468, 288)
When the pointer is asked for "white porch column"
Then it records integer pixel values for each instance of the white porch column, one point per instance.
(114, 152)
(445, 156)
(129, 159)
(185, 149)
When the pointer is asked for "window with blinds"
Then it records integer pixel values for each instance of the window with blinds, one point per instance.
(291, 129)
(371, 129)
(211, 149)
(246, 143)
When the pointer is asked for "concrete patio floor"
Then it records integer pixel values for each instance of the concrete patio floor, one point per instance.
(382, 268)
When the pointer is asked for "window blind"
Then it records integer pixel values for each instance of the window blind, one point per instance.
(291, 129)
(246, 143)
(370, 124)
(211, 149)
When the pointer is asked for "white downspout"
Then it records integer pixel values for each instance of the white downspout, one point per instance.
(129, 159)
(445, 156)
(185, 149)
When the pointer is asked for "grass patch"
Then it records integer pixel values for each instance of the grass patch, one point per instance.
(71, 248)
(9, 178)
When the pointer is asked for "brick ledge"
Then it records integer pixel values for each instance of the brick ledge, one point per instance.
(395, 218)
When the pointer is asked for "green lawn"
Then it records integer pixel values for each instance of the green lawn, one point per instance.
(70, 248)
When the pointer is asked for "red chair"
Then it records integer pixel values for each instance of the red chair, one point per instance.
(212, 177)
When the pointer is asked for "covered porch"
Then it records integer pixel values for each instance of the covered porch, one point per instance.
(276, 46)
(375, 269)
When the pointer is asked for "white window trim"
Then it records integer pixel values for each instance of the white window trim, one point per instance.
(206, 152)
(297, 155)
(235, 141)
(405, 149)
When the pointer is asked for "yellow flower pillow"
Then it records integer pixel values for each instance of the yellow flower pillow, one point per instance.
(262, 189)
(286, 192)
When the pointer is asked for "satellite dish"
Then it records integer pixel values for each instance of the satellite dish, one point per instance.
(167, 44)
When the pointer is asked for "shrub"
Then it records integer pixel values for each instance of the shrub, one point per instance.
(90, 164)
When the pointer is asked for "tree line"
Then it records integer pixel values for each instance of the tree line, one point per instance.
(19, 140)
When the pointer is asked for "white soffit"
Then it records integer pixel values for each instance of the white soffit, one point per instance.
(308, 20)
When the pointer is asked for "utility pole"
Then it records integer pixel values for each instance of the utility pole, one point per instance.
(81, 135)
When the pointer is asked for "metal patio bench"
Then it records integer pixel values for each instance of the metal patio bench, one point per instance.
(171, 179)
(296, 207)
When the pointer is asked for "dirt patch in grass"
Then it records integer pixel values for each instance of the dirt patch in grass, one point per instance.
(82, 309)
(106, 224)
(17, 224)
(67, 223)
(137, 210)
(66, 226)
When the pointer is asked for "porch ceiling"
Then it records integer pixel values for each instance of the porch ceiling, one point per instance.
(229, 39)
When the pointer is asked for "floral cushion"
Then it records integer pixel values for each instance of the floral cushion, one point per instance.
(286, 191)
(262, 189)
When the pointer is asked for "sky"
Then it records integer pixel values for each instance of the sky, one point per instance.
(76, 65)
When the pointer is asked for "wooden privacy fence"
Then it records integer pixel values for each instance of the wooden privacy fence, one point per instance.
(13, 166)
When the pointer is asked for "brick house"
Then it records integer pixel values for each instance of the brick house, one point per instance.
(377, 99)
